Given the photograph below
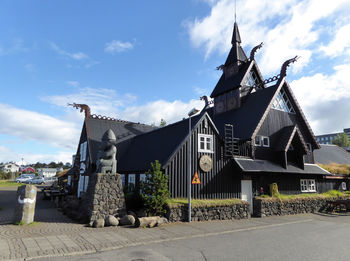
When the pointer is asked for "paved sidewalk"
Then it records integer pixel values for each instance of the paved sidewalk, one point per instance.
(62, 239)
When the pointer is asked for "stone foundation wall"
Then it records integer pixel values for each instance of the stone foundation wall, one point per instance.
(236, 211)
(263, 207)
(104, 197)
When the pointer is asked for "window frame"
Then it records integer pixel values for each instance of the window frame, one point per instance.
(308, 185)
(283, 103)
(261, 140)
(83, 150)
(257, 138)
(211, 142)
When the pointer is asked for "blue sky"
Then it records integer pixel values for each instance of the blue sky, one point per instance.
(146, 60)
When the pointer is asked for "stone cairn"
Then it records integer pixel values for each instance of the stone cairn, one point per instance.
(104, 198)
(25, 204)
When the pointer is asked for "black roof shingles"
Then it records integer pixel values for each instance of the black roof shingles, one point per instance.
(158, 145)
(233, 82)
(246, 118)
(250, 165)
(123, 131)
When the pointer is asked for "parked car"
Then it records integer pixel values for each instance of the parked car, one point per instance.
(24, 177)
(50, 180)
(37, 180)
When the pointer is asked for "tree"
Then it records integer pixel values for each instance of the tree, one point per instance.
(342, 140)
(162, 123)
(155, 190)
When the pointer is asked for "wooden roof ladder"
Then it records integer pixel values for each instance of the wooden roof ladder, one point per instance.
(231, 143)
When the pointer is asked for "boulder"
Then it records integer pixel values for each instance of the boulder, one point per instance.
(98, 223)
(127, 220)
(111, 221)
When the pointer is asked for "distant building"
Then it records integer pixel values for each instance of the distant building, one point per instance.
(10, 167)
(47, 172)
(328, 138)
(27, 169)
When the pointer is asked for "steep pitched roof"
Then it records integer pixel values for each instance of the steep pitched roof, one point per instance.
(296, 105)
(246, 118)
(236, 53)
(287, 135)
(123, 131)
(235, 67)
(332, 153)
(158, 144)
(234, 81)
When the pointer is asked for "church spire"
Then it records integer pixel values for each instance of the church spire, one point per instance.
(237, 55)
(236, 38)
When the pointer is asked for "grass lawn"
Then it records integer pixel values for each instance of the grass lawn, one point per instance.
(328, 194)
(175, 202)
(7, 183)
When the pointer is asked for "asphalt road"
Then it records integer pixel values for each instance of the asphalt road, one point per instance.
(44, 209)
(311, 237)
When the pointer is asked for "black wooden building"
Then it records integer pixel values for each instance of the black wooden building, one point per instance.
(253, 134)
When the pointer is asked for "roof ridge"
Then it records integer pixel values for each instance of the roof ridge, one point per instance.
(101, 117)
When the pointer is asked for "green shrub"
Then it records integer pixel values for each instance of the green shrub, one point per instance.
(5, 175)
(155, 190)
(176, 202)
(134, 201)
(333, 193)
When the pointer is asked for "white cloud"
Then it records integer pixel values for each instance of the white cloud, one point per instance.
(7, 155)
(108, 102)
(288, 28)
(75, 56)
(118, 47)
(16, 47)
(201, 91)
(29, 125)
(63, 133)
(325, 99)
(152, 112)
(73, 83)
(340, 42)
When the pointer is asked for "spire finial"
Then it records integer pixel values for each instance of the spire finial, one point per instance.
(235, 11)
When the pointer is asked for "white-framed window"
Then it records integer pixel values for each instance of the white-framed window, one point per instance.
(86, 183)
(262, 141)
(265, 141)
(307, 185)
(343, 185)
(282, 102)
(82, 168)
(257, 141)
(205, 143)
(83, 148)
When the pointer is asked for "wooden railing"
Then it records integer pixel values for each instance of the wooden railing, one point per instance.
(238, 147)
